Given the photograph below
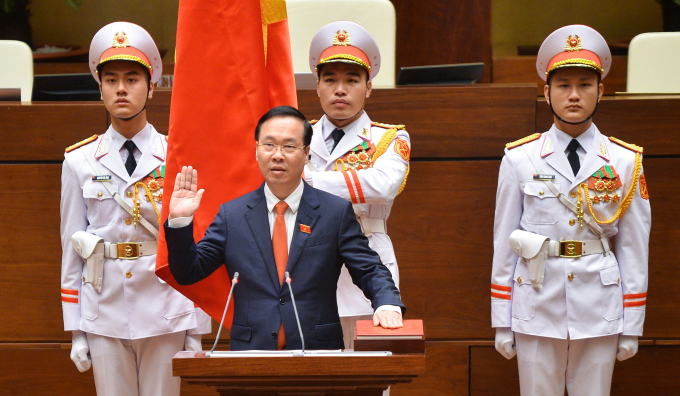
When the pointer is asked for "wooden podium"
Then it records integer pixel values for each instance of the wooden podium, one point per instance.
(298, 375)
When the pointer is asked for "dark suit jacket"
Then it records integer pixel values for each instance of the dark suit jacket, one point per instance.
(240, 237)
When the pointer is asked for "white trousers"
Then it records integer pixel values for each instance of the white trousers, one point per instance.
(546, 365)
(141, 367)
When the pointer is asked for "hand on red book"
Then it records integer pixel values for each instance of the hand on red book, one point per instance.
(388, 319)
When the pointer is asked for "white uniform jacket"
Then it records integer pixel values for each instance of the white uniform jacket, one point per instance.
(372, 188)
(590, 296)
(133, 303)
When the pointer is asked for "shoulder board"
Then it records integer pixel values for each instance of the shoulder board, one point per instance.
(629, 146)
(523, 140)
(313, 122)
(81, 143)
(388, 126)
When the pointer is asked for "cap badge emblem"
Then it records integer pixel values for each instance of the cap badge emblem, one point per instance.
(120, 39)
(573, 43)
(341, 38)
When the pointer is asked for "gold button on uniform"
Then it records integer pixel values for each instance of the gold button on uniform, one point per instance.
(618, 280)
(519, 280)
(83, 278)
(129, 194)
(128, 275)
(128, 221)
(570, 277)
(572, 222)
(541, 193)
(99, 194)
(572, 194)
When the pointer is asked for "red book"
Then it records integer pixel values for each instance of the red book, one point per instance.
(412, 330)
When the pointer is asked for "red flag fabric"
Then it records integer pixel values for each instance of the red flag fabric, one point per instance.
(233, 63)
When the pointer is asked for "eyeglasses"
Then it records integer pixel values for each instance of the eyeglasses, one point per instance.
(285, 148)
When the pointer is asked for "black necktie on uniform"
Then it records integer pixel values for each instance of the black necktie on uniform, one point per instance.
(573, 156)
(130, 163)
(337, 136)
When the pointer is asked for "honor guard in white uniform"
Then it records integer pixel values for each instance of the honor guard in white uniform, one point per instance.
(126, 322)
(564, 298)
(352, 157)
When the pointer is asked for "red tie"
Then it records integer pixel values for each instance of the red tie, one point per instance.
(280, 245)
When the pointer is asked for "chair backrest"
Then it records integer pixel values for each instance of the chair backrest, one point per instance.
(16, 67)
(654, 63)
(306, 17)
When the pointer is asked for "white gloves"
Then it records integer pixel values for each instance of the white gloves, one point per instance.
(505, 342)
(192, 342)
(628, 347)
(80, 351)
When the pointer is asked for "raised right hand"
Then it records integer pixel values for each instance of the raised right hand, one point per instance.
(186, 197)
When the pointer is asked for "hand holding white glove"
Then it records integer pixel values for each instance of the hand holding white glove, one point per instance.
(628, 347)
(80, 351)
(505, 342)
(192, 342)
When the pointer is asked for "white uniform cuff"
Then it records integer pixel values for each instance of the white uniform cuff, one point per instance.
(180, 222)
(392, 308)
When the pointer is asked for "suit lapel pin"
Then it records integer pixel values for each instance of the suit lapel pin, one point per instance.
(305, 228)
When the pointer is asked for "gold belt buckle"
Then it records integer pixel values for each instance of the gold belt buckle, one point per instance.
(571, 249)
(128, 250)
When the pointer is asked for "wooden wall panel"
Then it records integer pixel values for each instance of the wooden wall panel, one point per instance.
(446, 372)
(442, 229)
(441, 32)
(31, 262)
(651, 372)
(41, 132)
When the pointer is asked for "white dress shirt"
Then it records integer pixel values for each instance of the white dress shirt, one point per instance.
(140, 140)
(328, 128)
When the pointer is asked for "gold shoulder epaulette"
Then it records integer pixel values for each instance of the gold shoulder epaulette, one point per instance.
(167, 138)
(629, 146)
(523, 140)
(388, 126)
(313, 122)
(81, 143)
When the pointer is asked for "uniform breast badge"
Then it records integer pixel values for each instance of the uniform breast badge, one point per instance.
(360, 157)
(605, 182)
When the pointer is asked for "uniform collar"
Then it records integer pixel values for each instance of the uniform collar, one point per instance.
(293, 200)
(355, 128)
(585, 139)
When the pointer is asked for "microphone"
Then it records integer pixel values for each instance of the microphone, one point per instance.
(286, 276)
(234, 281)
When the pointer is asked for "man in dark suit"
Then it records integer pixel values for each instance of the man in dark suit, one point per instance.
(284, 225)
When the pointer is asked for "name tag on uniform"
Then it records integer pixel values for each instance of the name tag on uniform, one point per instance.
(101, 178)
(543, 176)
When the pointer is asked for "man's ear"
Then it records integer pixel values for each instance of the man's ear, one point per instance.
(101, 94)
(369, 88)
(150, 89)
(546, 93)
(600, 93)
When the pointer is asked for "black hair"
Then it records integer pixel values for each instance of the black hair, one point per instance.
(319, 68)
(286, 111)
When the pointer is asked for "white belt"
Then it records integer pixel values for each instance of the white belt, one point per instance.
(129, 250)
(574, 249)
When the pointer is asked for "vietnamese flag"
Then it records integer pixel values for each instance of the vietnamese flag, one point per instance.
(233, 63)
